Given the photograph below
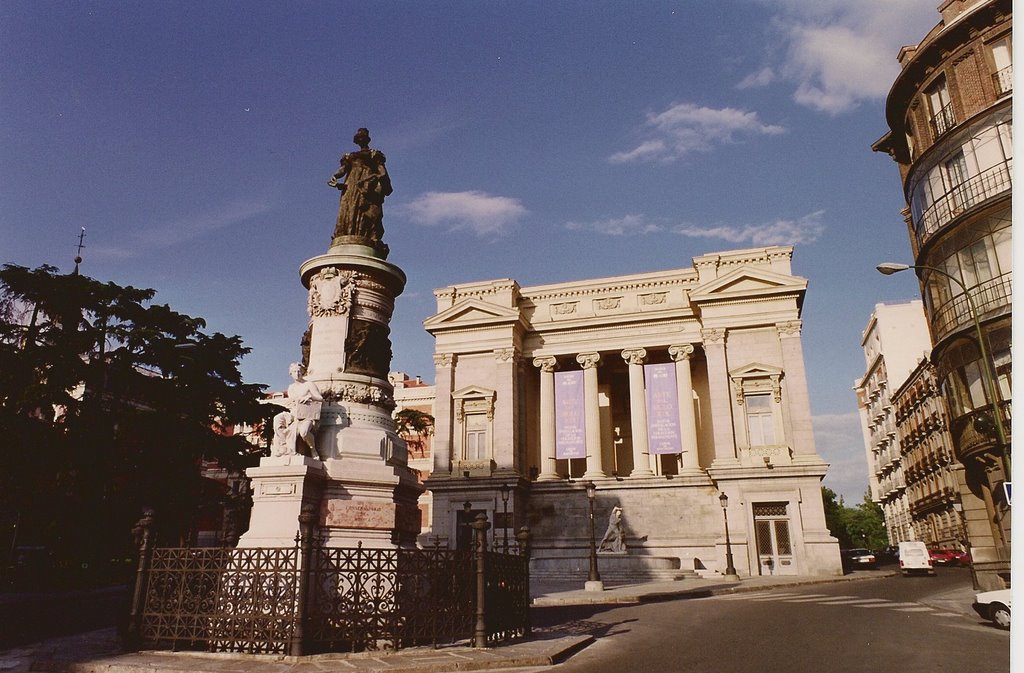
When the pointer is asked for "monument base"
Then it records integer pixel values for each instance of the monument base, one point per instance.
(280, 487)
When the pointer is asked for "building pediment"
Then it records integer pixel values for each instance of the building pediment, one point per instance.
(749, 283)
(754, 370)
(471, 312)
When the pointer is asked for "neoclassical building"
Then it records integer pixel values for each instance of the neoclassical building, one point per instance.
(950, 118)
(665, 390)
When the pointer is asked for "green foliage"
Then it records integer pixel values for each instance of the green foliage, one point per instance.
(107, 404)
(860, 526)
(414, 422)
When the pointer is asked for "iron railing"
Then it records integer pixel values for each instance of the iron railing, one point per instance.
(313, 598)
(992, 295)
(943, 120)
(1003, 79)
(960, 198)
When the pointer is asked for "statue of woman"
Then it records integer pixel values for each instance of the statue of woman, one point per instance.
(364, 183)
(614, 540)
(302, 418)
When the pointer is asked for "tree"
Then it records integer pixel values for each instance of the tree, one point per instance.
(860, 526)
(835, 516)
(414, 426)
(108, 402)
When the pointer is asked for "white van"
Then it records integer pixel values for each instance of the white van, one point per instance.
(914, 558)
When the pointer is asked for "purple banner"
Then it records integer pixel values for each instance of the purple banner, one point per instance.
(570, 428)
(663, 434)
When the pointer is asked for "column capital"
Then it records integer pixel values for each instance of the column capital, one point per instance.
(506, 355)
(789, 328)
(546, 364)
(634, 356)
(681, 352)
(713, 335)
(588, 360)
(443, 360)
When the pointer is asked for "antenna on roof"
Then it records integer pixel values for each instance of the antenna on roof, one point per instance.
(78, 257)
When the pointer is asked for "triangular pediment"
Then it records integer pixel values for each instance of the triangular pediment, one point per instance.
(471, 311)
(474, 391)
(755, 370)
(748, 282)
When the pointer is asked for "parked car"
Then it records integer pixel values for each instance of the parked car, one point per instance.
(914, 558)
(886, 555)
(944, 557)
(994, 606)
(858, 558)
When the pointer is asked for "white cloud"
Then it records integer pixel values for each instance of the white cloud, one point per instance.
(762, 77)
(474, 211)
(620, 226)
(806, 229)
(685, 128)
(839, 442)
(184, 229)
(838, 54)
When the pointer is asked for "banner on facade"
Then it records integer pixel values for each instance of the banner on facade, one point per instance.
(663, 433)
(570, 426)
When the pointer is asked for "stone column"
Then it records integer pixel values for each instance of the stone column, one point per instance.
(687, 420)
(592, 414)
(721, 400)
(506, 431)
(798, 401)
(444, 364)
(635, 358)
(548, 466)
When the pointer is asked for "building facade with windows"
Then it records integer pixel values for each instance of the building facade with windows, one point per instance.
(665, 390)
(935, 483)
(895, 339)
(951, 124)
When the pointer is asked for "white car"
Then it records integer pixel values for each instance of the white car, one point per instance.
(994, 606)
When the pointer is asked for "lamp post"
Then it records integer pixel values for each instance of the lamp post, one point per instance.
(730, 569)
(594, 582)
(889, 268)
(505, 489)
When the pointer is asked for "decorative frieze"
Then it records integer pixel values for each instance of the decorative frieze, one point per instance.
(652, 299)
(443, 360)
(564, 309)
(607, 303)
(506, 355)
(790, 328)
(714, 335)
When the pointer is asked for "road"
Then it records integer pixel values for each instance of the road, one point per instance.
(871, 625)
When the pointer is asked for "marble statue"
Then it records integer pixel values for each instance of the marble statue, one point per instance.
(614, 541)
(364, 183)
(301, 419)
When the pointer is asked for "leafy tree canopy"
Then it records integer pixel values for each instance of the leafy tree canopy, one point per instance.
(860, 526)
(108, 401)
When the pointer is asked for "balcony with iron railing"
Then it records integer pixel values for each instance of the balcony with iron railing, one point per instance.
(1003, 80)
(962, 197)
(943, 120)
(955, 314)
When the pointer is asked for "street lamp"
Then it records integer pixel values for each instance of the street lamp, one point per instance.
(505, 488)
(594, 578)
(730, 569)
(888, 269)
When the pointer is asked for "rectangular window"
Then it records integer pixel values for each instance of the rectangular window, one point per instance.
(975, 264)
(941, 107)
(476, 437)
(1002, 59)
(760, 420)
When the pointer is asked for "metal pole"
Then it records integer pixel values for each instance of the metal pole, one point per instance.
(307, 517)
(730, 569)
(480, 526)
(143, 531)
(594, 578)
(524, 549)
(504, 513)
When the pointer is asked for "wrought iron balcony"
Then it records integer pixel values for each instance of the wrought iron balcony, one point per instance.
(962, 197)
(943, 120)
(955, 314)
(1003, 79)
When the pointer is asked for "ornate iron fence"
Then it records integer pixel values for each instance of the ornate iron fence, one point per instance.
(313, 598)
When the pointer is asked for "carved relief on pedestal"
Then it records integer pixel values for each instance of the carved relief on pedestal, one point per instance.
(330, 292)
(358, 393)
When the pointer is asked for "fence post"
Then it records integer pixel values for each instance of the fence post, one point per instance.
(307, 517)
(480, 526)
(143, 536)
(524, 536)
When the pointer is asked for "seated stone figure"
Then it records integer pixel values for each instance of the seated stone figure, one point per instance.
(614, 540)
(302, 418)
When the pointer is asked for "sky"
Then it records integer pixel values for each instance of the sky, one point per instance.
(539, 141)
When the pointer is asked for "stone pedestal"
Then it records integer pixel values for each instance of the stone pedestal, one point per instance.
(280, 487)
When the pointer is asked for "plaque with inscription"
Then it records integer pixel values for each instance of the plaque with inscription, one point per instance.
(359, 514)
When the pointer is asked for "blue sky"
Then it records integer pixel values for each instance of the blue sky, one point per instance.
(539, 141)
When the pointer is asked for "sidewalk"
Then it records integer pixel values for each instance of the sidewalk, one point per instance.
(98, 651)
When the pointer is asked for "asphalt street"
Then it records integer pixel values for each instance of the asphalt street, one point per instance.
(883, 624)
